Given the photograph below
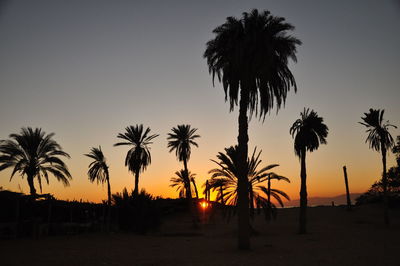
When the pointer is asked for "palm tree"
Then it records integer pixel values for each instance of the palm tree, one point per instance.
(270, 208)
(396, 150)
(308, 132)
(193, 181)
(219, 185)
(35, 154)
(227, 176)
(180, 140)
(180, 182)
(379, 139)
(138, 157)
(250, 57)
(98, 171)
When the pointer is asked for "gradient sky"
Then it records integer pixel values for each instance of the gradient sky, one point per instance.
(87, 69)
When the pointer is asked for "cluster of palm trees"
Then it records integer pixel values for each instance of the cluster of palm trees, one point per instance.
(250, 57)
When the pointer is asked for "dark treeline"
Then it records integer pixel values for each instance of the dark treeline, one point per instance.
(27, 216)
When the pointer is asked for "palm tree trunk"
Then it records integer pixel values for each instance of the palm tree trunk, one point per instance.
(108, 202)
(251, 201)
(188, 190)
(195, 189)
(269, 210)
(31, 184)
(243, 193)
(303, 194)
(384, 183)
(136, 189)
(222, 195)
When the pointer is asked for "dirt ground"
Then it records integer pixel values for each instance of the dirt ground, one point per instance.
(336, 237)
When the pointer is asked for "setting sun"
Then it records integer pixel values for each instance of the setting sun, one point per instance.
(204, 204)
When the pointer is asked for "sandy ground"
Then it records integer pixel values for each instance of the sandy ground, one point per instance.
(337, 237)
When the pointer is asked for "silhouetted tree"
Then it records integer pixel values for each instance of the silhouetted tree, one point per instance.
(179, 181)
(219, 185)
(250, 57)
(308, 132)
(396, 151)
(379, 139)
(138, 157)
(227, 177)
(267, 205)
(180, 141)
(98, 171)
(35, 154)
(193, 180)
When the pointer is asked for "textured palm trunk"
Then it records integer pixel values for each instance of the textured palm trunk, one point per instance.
(109, 201)
(269, 212)
(221, 191)
(251, 201)
(31, 184)
(243, 194)
(187, 181)
(136, 189)
(303, 194)
(384, 183)
(195, 188)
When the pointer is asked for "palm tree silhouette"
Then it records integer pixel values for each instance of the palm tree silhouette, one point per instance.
(379, 139)
(180, 182)
(180, 141)
(98, 171)
(35, 154)
(275, 193)
(219, 185)
(250, 57)
(227, 176)
(138, 157)
(396, 150)
(308, 132)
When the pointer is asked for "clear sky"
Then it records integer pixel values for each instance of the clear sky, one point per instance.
(87, 69)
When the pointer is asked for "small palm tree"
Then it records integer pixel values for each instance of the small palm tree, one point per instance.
(219, 185)
(270, 208)
(138, 157)
(308, 132)
(98, 171)
(226, 176)
(180, 182)
(180, 141)
(35, 154)
(250, 57)
(379, 139)
(396, 150)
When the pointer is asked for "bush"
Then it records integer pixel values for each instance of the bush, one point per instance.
(137, 213)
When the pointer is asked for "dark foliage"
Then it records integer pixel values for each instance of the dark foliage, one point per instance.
(375, 193)
(137, 213)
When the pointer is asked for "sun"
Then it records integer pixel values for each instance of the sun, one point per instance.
(204, 204)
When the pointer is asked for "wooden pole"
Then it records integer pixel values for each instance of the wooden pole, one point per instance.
(347, 188)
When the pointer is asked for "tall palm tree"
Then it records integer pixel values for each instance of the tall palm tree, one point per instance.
(35, 154)
(98, 171)
(250, 57)
(138, 157)
(227, 176)
(379, 139)
(180, 141)
(180, 182)
(308, 132)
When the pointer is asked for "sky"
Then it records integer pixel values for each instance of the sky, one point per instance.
(86, 70)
